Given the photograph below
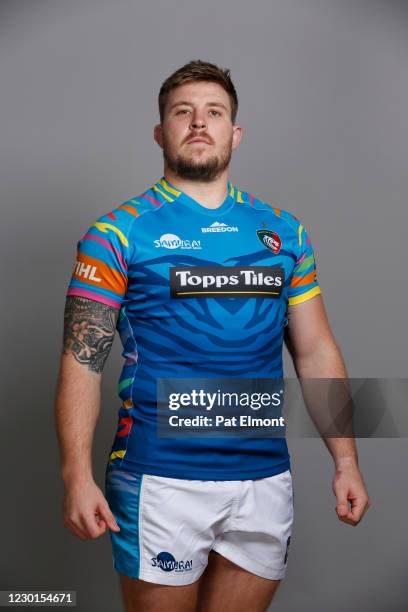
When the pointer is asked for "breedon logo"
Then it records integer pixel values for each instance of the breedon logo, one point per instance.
(270, 239)
(219, 227)
(227, 281)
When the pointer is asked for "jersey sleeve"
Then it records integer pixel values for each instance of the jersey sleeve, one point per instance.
(103, 253)
(304, 284)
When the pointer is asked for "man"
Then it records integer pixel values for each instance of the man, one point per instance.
(201, 279)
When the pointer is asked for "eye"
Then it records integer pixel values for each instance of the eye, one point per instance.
(182, 111)
(215, 113)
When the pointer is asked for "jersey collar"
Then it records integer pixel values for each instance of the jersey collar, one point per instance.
(170, 193)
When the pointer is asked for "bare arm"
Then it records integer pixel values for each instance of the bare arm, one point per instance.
(89, 330)
(315, 354)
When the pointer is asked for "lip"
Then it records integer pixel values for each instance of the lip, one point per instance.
(198, 140)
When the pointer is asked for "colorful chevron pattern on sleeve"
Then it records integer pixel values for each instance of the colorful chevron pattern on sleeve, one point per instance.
(100, 270)
(304, 284)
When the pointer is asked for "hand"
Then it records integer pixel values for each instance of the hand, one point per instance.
(348, 486)
(86, 511)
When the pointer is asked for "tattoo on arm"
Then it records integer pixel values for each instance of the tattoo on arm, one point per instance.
(89, 331)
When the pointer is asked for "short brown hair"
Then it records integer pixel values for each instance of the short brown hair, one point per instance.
(197, 70)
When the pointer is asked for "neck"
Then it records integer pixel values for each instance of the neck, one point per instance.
(209, 195)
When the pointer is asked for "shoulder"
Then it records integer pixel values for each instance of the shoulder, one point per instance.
(119, 220)
(285, 216)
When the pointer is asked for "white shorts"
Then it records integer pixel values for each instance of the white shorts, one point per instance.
(168, 525)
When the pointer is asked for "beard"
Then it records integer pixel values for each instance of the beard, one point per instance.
(206, 171)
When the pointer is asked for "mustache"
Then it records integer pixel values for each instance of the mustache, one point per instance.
(199, 135)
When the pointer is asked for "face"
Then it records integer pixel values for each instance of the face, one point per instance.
(197, 135)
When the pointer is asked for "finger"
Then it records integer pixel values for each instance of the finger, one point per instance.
(344, 513)
(100, 523)
(342, 507)
(108, 517)
(349, 518)
(341, 494)
(90, 526)
(342, 510)
(97, 525)
(359, 507)
(349, 521)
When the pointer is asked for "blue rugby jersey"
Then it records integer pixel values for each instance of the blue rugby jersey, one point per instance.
(202, 293)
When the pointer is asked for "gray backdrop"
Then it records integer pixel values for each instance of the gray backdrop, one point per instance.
(323, 88)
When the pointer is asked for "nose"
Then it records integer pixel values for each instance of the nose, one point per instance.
(197, 121)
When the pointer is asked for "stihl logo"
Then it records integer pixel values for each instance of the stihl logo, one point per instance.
(86, 271)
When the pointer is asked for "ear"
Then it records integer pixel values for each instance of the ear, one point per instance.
(237, 132)
(157, 134)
